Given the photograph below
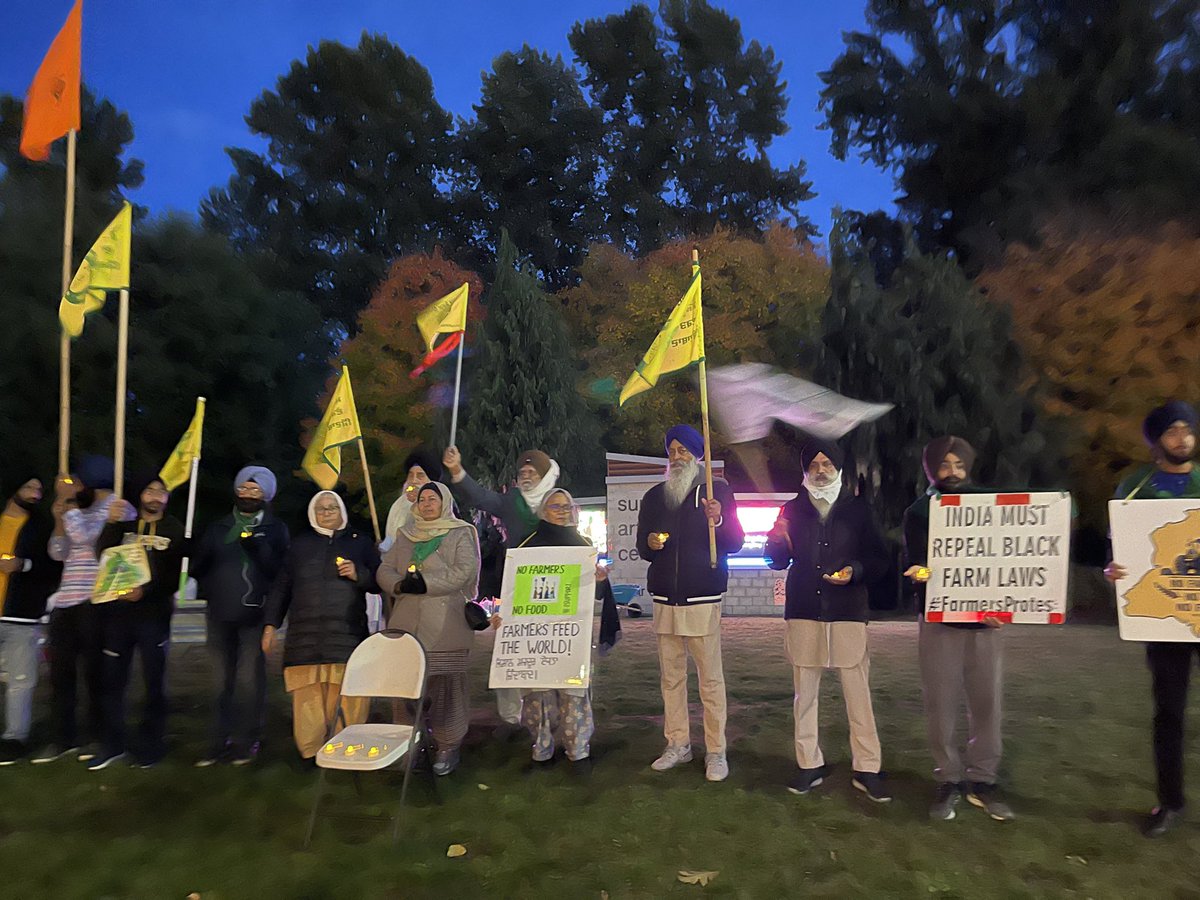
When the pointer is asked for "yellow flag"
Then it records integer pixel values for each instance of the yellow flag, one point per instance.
(444, 316)
(679, 344)
(178, 467)
(338, 427)
(105, 268)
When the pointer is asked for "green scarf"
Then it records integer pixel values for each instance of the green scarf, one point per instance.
(241, 522)
(424, 550)
(528, 516)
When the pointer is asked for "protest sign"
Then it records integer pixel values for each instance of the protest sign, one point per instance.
(1005, 556)
(121, 569)
(547, 603)
(1158, 543)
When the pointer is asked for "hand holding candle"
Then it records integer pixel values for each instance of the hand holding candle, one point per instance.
(346, 568)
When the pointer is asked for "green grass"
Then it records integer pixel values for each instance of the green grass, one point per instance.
(1077, 763)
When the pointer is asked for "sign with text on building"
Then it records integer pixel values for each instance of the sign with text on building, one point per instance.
(1005, 556)
(547, 606)
(1158, 543)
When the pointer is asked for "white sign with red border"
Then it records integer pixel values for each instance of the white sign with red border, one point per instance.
(1002, 556)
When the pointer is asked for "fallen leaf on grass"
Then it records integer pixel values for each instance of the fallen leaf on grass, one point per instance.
(456, 850)
(1077, 859)
(193, 896)
(484, 787)
(833, 855)
(686, 876)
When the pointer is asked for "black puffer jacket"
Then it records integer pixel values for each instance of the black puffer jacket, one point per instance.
(326, 614)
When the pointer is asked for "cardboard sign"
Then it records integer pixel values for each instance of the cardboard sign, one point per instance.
(1004, 556)
(121, 569)
(1158, 543)
(547, 604)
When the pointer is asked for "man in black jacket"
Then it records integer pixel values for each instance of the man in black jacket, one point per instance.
(672, 535)
(27, 577)
(141, 621)
(829, 537)
(235, 564)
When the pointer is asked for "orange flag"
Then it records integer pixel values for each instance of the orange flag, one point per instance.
(52, 105)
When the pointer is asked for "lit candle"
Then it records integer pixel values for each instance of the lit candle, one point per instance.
(662, 537)
(412, 568)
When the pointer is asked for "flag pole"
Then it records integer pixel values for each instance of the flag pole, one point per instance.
(64, 344)
(191, 512)
(457, 389)
(362, 455)
(708, 478)
(122, 375)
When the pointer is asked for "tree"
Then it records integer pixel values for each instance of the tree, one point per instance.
(529, 164)
(1110, 320)
(762, 303)
(357, 149)
(929, 343)
(690, 111)
(523, 392)
(397, 412)
(996, 114)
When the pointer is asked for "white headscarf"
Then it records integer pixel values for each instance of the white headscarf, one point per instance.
(312, 513)
(536, 494)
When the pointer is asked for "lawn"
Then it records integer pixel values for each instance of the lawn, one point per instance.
(1077, 762)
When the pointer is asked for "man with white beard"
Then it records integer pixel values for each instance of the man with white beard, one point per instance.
(828, 541)
(537, 476)
(687, 589)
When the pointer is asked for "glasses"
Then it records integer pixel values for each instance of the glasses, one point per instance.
(158, 491)
(248, 490)
(559, 507)
(328, 509)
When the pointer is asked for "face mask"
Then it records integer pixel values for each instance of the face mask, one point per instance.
(249, 505)
(86, 497)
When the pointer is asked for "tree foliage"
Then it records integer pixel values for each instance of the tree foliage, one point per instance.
(996, 114)
(1111, 321)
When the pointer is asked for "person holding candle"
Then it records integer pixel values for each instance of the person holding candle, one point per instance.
(322, 593)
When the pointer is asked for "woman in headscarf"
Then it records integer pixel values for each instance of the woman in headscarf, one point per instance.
(419, 468)
(430, 572)
(568, 710)
(322, 592)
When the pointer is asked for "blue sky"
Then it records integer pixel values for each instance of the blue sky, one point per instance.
(186, 71)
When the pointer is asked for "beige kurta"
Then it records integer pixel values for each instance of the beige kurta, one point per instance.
(826, 645)
(695, 620)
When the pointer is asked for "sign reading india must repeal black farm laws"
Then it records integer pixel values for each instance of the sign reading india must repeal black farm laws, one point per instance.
(1003, 556)
(547, 606)
(1158, 543)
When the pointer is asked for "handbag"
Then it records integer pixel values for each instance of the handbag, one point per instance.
(413, 582)
(477, 617)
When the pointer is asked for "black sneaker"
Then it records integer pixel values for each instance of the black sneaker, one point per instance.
(987, 797)
(104, 760)
(218, 753)
(247, 755)
(12, 752)
(944, 800)
(807, 779)
(90, 752)
(52, 753)
(872, 784)
(1161, 820)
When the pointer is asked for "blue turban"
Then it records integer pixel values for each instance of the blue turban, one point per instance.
(96, 472)
(1163, 417)
(261, 476)
(689, 437)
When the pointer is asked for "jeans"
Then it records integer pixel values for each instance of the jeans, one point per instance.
(74, 638)
(127, 631)
(241, 682)
(19, 672)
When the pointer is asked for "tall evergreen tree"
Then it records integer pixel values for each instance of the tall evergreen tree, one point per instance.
(523, 391)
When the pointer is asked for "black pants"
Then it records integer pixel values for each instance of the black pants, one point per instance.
(74, 643)
(1170, 670)
(241, 675)
(127, 630)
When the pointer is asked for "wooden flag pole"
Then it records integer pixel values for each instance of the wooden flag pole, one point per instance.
(708, 479)
(122, 375)
(64, 344)
(191, 513)
(457, 390)
(362, 455)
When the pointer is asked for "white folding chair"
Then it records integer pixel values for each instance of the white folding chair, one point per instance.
(388, 664)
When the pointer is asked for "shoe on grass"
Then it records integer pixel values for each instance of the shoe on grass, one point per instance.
(807, 779)
(987, 797)
(716, 767)
(873, 785)
(243, 756)
(218, 753)
(52, 753)
(445, 762)
(105, 760)
(671, 757)
(90, 751)
(12, 752)
(944, 800)
(1161, 820)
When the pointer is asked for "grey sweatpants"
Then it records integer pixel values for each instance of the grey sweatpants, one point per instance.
(954, 662)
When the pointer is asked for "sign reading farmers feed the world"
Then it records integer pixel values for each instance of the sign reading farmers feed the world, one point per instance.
(1005, 556)
(1158, 543)
(547, 604)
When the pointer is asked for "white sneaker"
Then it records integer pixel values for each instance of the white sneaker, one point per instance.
(716, 768)
(672, 757)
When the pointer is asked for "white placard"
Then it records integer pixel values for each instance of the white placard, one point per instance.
(547, 604)
(1158, 543)
(1005, 556)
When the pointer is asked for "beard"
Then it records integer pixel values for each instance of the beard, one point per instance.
(1176, 459)
(953, 483)
(248, 505)
(27, 505)
(86, 497)
(680, 478)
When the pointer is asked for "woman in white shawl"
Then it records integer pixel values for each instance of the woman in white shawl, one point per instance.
(430, 573)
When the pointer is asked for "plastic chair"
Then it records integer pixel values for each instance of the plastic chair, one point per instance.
(388, 664)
